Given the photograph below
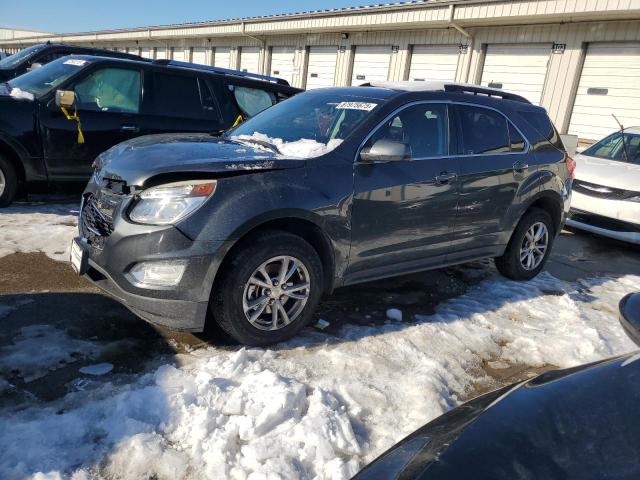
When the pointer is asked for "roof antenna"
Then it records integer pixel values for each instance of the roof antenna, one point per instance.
(624, 141)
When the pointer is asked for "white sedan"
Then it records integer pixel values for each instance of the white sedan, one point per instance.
(606, 189)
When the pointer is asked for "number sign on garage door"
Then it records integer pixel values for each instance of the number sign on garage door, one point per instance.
(250, 59)
(434, 62)
(199, 55)
(520, 69)
(609, 84)
(370, 64)
(222, 57)
(282, 62)
(321, 70)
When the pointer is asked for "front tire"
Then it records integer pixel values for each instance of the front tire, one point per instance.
(529, 247)
(269, 289)
(8, 182)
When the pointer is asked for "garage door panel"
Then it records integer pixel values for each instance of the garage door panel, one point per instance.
(434, 62)
(222, 57)
(609, 84)
(161, 53)
(282, 62)
(321, 68)
(371, 64)
(518, 68)
(250, 59)
(199, 55)
(179, 55)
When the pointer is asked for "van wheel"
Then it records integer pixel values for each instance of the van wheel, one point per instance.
(8, 182)
(529, 246)
(269, 290)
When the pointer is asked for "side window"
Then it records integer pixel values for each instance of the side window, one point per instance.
(516, 140)
(209, 101)
(549, 137)
(177, 96)
(253, 100)
(49, 57)
(109, 90)
(423, 129)
(484, 131)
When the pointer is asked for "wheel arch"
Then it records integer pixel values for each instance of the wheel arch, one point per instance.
(12, 155)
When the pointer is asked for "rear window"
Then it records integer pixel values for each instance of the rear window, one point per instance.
(548, 135)
(484, 131)
(184, 97)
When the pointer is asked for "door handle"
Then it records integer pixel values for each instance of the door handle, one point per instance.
(445, 177)
(129, 128)
(520, 167)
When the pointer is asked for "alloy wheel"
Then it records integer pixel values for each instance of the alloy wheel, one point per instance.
(534, 246)
(276, 293)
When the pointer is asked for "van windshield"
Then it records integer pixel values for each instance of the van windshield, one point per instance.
(17, 58)
(44, 79)
(307, 125)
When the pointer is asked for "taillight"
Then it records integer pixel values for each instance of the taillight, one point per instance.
(571, 166)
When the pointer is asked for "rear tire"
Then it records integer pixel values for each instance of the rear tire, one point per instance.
(8, 182)
(242, 286)
(525, 256)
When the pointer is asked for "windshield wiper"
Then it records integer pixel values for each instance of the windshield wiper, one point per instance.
(262, 143)
(624, 142)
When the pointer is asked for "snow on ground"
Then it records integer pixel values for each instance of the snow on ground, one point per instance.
(39, 228)
(43, 348)
(318, 407)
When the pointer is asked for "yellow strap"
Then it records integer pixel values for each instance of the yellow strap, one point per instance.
(238, 121)
(77, 119)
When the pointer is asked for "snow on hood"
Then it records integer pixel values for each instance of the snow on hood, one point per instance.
(610, 173)
(21, 94)
(303, 148)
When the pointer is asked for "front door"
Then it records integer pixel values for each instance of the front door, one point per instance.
(108, 101)
(404, 210)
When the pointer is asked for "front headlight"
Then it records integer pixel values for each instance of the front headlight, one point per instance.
(172, 202)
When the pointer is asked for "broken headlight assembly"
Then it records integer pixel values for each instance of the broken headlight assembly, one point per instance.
(172, 202)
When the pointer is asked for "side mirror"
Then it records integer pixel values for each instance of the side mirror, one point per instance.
(34, 66)
(630, 316)
(384, 151)
(65, 98)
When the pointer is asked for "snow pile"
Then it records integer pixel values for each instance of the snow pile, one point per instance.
(41, 348)
(39, 228)
(21, 94)
(303, 148)
(97, 369)
(318, 407)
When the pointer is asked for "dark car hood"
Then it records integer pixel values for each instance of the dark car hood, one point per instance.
(577, 423)
(137, 160)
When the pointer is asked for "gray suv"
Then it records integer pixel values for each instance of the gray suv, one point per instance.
(332, 187)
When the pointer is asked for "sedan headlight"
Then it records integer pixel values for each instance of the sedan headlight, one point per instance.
(172, 202)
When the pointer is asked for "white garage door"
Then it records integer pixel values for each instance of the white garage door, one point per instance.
(609, 84)
(321, 70)
(250, 59)
(199, 55)
(371, 64)
(282, 62)
(146, 52)
(179, 54)
(161, 52)
(519, 69)
(434, 62)
(222, 57)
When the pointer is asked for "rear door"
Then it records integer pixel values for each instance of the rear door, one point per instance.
(404, 210)
(109, 102)
(493, 162)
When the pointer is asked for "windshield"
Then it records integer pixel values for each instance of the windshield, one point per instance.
(307, 125)
(17, 58)
(622, 147)
(44, 79)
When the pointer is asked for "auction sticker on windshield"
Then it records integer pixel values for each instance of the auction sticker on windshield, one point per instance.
(356, 106)
(75, 61)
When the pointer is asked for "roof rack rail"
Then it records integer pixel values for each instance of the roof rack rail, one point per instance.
(221, 71)
(491, 92)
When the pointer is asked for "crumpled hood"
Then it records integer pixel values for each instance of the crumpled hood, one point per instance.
(136, 161)
(610, 173)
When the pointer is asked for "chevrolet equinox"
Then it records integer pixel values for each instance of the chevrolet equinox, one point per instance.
(330, 188)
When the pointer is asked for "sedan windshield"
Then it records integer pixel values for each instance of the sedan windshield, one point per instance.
(622, 147)
(17, 58)
(307, 125)
(44, 79)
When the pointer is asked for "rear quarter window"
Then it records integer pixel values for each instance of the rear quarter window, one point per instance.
(548, 136)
